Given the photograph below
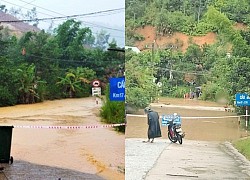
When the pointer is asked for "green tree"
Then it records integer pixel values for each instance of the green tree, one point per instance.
(102, 39)
(218, 20)
(140, 85)
(239, 77)
(73, 80)
(8, 82)
(28, 84)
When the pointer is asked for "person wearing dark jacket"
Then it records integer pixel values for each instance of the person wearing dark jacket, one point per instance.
(154, 129)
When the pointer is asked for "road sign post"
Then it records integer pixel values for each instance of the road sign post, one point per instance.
(243, 99)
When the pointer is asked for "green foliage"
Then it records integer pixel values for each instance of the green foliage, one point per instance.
(203, 28)
(179, 91)
(7, 98)
(138, 37)
(191, 17)
(242, 146)
(113, 112)
(239, 76)
(30, 65)
(140, 87)
(221, 69)
(218, 21)
(137, 97)
(210, 91)
(27, 84)
(193, 54)
(75, 79)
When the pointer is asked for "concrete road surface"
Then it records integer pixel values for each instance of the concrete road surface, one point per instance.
(191, 160)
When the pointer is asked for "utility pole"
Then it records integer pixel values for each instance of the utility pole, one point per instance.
(153, 50)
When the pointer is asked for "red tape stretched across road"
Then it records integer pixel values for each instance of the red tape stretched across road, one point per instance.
(197, 117)
(71, 127)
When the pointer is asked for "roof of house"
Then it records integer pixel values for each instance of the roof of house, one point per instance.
(16, 26)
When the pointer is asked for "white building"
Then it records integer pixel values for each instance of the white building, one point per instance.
(135, 49)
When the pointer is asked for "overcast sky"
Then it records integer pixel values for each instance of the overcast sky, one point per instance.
(112, 22)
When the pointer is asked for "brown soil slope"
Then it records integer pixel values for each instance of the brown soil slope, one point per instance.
(179, 40)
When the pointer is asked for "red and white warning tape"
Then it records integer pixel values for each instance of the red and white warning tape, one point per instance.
(71, 127)
(209, 117)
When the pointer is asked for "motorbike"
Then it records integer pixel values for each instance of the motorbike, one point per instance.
(175, 132)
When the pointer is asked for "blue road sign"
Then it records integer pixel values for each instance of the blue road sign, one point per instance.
(117, 89)
(242, 99)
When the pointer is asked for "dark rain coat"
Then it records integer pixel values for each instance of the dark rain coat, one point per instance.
(154, 129)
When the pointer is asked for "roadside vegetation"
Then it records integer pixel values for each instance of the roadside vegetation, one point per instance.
(243, 146)
(113, 112)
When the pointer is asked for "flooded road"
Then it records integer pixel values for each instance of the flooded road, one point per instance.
(39, 153)
(204, 153)
(197, 120)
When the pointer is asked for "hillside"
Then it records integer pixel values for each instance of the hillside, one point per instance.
(179, 40)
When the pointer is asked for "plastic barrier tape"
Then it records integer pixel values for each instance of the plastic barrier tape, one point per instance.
(71, 127)
(217, 117)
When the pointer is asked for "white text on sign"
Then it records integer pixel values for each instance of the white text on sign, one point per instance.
(118, 95)
(121, 85)
(244, 97)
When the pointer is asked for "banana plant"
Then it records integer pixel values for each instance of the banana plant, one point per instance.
(28, 84)
(72, 82)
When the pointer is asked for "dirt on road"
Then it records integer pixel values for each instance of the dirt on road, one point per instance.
(40, 153)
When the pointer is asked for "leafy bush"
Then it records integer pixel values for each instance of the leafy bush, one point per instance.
(138, 97)
(180, 91)
(222, 96)
(113, 112)
(138, 37)
(7, 97)
(203, 28)
(210, 90)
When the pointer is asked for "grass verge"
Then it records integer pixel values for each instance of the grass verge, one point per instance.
(243, 146)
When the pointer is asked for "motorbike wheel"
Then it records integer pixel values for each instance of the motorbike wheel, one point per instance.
(179, 138)
(174, 140)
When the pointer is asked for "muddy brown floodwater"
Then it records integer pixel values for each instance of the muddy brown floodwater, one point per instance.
(207, 129)
(96, 153)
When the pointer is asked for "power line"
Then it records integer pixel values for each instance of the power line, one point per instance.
(108, 12)
(61, 17)
(27, 3)
(42, 8)
(23, 8)
(65, 16)
(102, 26)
